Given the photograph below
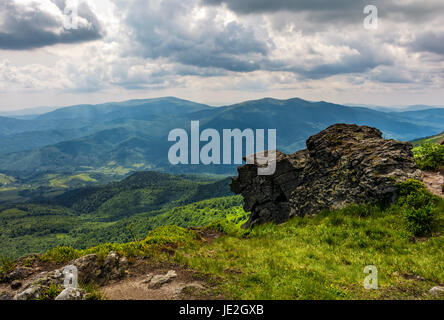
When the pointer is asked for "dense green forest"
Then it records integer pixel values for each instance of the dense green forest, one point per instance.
(119, 211)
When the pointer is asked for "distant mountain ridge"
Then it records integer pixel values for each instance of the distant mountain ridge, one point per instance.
(133, 134)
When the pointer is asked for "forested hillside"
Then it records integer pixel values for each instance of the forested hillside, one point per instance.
(114, 212)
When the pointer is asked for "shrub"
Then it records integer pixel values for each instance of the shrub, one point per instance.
(419, 208)
(51, 292)
(170, 235)
(429, 156)
(226, 227)
(6, 266)
(61, 255)
(420, 222)
(92, 292)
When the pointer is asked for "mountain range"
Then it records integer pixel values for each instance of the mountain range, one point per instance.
(132, 135)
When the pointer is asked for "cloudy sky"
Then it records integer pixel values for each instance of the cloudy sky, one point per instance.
(220, 51)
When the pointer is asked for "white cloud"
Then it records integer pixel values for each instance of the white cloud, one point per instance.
(213, 52)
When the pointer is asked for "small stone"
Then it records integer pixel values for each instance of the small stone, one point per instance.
(159, 280)
(147, 279)
(436, 291)
(71, 294)
(6, 296)
(31, 293)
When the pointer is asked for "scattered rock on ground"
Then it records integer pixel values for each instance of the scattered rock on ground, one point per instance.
(158, 280)
(39, 284)
(436, 291)
(342, 165)
(72, 294)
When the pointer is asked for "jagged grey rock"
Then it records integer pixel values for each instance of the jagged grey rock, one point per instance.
(39, 284)
(342, 165)
(71, 294)
(90, 269)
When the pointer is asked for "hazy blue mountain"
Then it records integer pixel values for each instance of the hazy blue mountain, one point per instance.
(429, 117)
(29, 113)
(417, 107)
(133, 109)
(152, 117)
(133, 134)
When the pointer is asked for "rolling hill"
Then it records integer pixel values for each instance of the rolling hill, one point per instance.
(91, 215)
(132, 135)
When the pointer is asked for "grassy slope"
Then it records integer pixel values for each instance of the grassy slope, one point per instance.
(322, 258)
(435, 139)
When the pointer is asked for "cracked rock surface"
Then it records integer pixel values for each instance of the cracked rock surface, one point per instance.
(342, 165)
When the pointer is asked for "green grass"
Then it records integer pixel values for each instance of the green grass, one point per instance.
(63, 182)
(6, 265)
(324, 257)
(51, 292)
(321, 257)
(161, 238)
(435, 139)
(118, 212)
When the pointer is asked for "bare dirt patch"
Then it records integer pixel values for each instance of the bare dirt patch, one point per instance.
(187, 285)
(434, 181)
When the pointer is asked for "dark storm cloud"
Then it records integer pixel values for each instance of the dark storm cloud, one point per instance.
(339, 11)
(429, 42)
(365, 59)
(164, 32)
(23, 28)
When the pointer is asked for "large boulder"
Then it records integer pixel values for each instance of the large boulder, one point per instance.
(342, 165)
(92, 269)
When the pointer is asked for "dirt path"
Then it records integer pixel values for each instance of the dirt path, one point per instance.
(434, 181)
(187, 284)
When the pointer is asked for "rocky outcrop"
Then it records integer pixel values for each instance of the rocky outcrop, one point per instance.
(90, 268)
(342, 165)
(39, 284)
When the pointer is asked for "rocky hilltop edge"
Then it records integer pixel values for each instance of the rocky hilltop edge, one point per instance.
(342, 165)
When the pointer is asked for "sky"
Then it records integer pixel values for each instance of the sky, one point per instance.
(220, 51)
